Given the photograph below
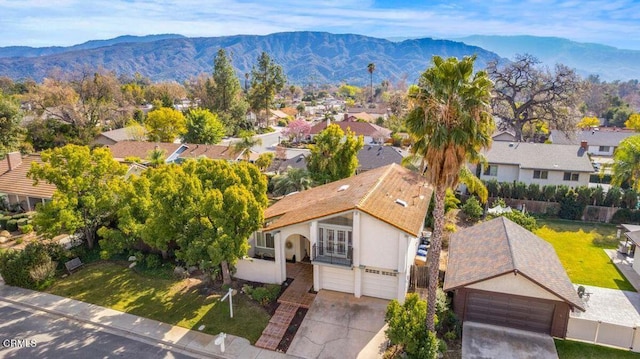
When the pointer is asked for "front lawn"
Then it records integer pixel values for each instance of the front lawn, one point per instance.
(580, 248)
(568, 349)
(177, 302)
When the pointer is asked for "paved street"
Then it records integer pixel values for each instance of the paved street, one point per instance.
(59, 337)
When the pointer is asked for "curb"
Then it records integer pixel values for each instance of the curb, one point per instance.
(115, 330)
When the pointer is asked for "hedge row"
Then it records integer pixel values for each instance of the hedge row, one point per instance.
(15, 222)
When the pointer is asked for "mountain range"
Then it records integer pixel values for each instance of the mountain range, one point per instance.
(308, 57)
(608, 62)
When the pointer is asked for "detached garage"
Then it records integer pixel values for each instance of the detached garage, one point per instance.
(502, 274)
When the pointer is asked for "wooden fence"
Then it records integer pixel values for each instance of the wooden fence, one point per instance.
(419, 277)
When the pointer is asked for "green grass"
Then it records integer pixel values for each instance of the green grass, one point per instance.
(579, 246)
(149, 295)
(568, 349)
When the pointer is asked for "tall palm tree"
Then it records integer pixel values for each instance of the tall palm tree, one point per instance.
(450, 123)
(247, 140)
(293, 180)
(371, 68)
(156, 157)
(626, 166)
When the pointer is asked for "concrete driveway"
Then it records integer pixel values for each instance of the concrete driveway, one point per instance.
(483, 341)
(338, 325)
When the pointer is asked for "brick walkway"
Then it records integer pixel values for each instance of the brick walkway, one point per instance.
(295, 296)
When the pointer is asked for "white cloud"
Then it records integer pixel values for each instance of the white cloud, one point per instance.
(33, 22)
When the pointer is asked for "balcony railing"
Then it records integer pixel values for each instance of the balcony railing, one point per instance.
(323, 256)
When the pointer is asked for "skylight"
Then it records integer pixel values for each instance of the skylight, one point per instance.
(401, 202)
(343, 187)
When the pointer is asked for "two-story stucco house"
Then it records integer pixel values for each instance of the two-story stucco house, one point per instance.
(598, 141)
(544, 164)
(360, 234)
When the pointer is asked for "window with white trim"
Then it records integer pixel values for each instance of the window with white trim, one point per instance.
(540, 174)
(571, 176)
(334, 240)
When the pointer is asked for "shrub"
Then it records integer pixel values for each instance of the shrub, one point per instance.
(506, 190)
(598, 196)
(533, 192)
(472, 208)
(493, 187)
(27, 228)
(613, 197)
(12, 225)
(630, 199)
(523, 219)
(3, 222)
(265, 295)
(549, 192)
(584, 195)
(22, 222)
(519, 191)
(570, 207)
(152, 261)
(625, 215)
(407, 328)
(247, 289)
(450, 227)
(31, 268)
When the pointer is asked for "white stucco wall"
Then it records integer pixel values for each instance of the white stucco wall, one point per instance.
(506, 173)
(595, 150)
(514, 284)
(378, 243)
(291, 234)
(553, 178)
(258, 270)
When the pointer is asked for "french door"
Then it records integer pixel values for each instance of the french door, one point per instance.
(334, 241)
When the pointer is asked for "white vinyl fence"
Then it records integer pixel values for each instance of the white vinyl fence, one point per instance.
(599, 332)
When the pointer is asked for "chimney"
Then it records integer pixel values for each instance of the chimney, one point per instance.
(14, 159)
(346, 117)
(328, 120)
(584, 145)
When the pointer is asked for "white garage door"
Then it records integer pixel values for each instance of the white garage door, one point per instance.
(380, 283)
(341, 280)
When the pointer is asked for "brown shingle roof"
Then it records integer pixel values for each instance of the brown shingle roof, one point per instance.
(216, 152)
(373, 192)
(359, 128)
(17, 182)
(140, 149)
(499, 246)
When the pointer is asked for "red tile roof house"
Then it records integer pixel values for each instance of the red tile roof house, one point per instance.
(502, 274)
(359, 233)
(17, 187)
(373, 134)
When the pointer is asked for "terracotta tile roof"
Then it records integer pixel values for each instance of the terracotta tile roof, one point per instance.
(359, 128)
(17, 182)
(499, 246)
(140, 149)
(216, 152)
(374, 192)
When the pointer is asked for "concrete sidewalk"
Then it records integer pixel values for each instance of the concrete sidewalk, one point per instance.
(135, 327)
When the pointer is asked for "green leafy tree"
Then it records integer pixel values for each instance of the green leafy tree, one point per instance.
(588, 122)
(82, 201)
(247, 140)
(407, 328)
(472, 208)
(227, 97)
(203, 127)
(267, 79)
(264, 160)
(626, 166)
(334, 155)
(450, 124)
(633, 122)
(165, 124)
(293, 180)
(11, 133)
(157, 157)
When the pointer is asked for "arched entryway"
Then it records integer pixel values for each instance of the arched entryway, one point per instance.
(297, 248)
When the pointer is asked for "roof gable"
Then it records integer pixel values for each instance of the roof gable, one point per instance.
(499, 246)
(359, 128)
(373, 156)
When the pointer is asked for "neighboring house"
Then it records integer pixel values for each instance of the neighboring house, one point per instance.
(504, 275)
(544, 164)
(108, 138)
(632, 232)
(373, 134)
(362, 116)
(174, 152)
(276, 115)
(17, 187)
(504, 136)
(601, 141)
(359, 233)
(279, 166)
(374, 156)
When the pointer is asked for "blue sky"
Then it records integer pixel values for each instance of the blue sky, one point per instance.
(68, 22)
